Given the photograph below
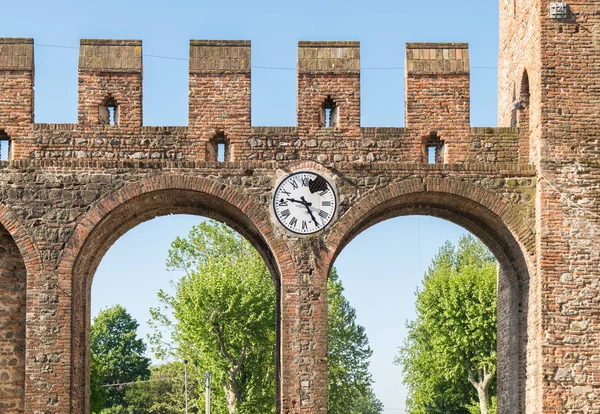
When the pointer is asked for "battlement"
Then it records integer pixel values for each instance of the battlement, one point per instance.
(16, 54)
(219, 56)
(116, 56)
(219, 127)
(437, 58)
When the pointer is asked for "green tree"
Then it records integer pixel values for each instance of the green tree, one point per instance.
(117, 355)
(224, 312)
(348, 353)
(164, 393)
(367, 404)
(97, 391)
(224, 320)
(449, 356)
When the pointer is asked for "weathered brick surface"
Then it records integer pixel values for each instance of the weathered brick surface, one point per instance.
(560, 124)
(70, 191)
(12, 325)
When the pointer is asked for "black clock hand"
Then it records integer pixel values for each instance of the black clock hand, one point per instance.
(307, 204)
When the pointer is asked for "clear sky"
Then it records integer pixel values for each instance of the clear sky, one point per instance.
(383, 266)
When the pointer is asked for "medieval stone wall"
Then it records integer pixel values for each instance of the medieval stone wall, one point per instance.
(12, 325)
(69, 191)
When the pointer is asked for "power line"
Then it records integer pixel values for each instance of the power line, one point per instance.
(253, 66)
(564, 196)
(139, 382)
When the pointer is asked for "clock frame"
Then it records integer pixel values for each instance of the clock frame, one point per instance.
(305, 202)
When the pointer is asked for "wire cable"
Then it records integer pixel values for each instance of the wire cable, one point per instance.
(564, 196)
(119, 384)
(253, 66)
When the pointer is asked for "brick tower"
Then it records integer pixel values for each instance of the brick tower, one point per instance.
(549, 72)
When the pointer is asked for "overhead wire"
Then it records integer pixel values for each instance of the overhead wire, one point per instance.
(564, 196)
(283, 68)
(119, 384)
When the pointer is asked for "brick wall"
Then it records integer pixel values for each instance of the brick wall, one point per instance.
(219, 98)
(562, 60)
(70, 190)
(12, 326)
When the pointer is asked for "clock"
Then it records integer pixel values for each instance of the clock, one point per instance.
(304, 202)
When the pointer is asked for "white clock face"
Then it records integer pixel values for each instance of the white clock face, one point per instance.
(304, 203)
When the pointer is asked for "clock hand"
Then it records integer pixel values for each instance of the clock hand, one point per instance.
(307, 204)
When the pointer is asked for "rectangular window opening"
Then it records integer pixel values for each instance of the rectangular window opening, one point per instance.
(221, 152)
(327, 117)
(5, 146)
(111, 115)
(431, 154)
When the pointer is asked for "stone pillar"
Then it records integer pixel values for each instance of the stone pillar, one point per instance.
(304, 331)
(219, 97)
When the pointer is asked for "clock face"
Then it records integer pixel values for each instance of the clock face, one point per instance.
(304, 203)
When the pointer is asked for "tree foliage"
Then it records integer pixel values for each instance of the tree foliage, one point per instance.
(165, 392)
(348, 353)
(117, 356)
(449, 356)
(224, 320)
(224, 316)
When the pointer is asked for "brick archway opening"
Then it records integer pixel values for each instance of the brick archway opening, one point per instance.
(119, 220)
(513, 271)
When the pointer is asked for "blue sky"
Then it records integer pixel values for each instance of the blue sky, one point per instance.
(383, 266)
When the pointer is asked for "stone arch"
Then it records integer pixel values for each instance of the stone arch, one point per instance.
(19, 264)
(498, 223)
(133, 204)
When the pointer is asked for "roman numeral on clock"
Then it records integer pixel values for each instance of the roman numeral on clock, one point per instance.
(293, 221)
(285, 214)
(323, 214)
(326, 203)
(304, 225)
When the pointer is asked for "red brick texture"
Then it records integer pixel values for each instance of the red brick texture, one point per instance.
(69, 191)
(13, 281)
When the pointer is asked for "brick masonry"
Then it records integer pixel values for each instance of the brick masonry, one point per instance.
(69, 191)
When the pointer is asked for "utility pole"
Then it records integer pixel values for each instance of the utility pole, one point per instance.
(185, 384)
(207, 392)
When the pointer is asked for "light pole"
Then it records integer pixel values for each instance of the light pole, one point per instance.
(185, 384)
(207, 409)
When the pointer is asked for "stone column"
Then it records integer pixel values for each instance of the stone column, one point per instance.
(304, 330)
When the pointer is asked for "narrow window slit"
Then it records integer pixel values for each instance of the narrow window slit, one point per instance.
(431, 150)
(5, 146)
(329, 113)
(434, 149)
(221, 152)
(111, 115)
(108, 112)
(327, 117)
(218, 148)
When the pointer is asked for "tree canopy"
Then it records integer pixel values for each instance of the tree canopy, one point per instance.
(348, 353)
(449, 356)
(222, 317)
(117, 356)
